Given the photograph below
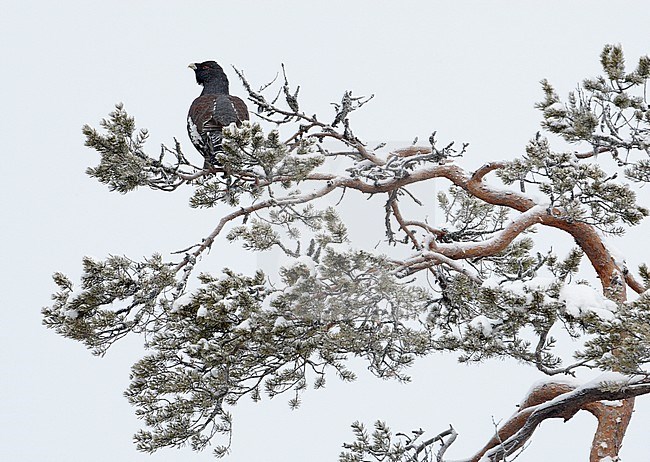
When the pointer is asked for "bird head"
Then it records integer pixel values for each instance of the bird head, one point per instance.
(207, 72)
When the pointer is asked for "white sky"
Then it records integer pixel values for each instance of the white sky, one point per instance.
(468, 69)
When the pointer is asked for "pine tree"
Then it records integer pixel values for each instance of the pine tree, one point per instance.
(483, 284)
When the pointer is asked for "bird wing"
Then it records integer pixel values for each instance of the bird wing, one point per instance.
(240, 108)
(208, 115)
(210, 112)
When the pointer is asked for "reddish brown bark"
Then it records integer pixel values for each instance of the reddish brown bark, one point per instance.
(516, 422)
(612, 423)
(613, 419)
(584, 235)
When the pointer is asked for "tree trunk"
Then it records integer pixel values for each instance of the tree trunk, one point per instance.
(613, 419)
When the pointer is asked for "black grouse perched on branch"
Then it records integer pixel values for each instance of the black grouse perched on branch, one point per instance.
(212, 111)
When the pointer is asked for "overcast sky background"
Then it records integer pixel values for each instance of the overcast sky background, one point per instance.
(468, 69)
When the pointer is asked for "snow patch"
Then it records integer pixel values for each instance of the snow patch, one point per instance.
(484, 324)
(304, 260)
(566, 380)
(540, 283)
(71, 314)
(244, 325)
(202, 312)
(270, 298)
(491, 283)
(280, 321)
(581, 300)
(184, 299)
(617, 403)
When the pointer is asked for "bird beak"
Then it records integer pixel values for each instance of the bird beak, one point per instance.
(192, 66)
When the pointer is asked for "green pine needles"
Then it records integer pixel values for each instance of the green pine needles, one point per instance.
(481, 283)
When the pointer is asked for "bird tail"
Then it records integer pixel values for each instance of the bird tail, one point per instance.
(214, 146)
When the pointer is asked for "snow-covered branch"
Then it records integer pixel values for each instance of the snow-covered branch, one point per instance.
(562, 400)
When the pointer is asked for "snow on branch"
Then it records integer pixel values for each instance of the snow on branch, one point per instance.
(124, 165)
(492, 290)
(603, 397)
